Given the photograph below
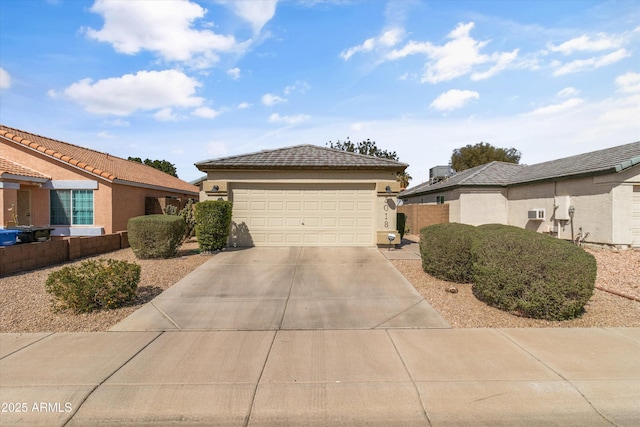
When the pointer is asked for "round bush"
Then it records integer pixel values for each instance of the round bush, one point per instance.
(155, 236)
(94, 284)
(446, 251)
(530, 274)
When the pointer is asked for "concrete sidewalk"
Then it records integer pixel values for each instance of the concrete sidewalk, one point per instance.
(420, 377)
(313, 336)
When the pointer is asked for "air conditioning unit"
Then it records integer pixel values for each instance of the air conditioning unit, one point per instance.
(536, 215)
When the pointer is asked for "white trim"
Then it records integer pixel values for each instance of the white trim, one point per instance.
(24, 178)
(84, 184)
(9, 185)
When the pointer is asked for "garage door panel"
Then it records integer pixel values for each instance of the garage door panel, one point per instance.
(306, 214)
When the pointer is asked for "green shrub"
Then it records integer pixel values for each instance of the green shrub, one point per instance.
(530, 274)
(94, 285)
(155, 236)
(446, 251)
(213, 224)
(189, 215)
(401, 219)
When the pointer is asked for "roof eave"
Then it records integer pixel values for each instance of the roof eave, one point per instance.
(155, 187)
(627, 164)
(18, 177)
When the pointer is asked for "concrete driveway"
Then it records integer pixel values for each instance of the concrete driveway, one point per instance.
(288, 288)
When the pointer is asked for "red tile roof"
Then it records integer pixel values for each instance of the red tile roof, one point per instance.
(7, 167)
(106, 166)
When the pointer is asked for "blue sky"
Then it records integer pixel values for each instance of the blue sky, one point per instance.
(191, 80)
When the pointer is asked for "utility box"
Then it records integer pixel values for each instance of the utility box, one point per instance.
(562, 204)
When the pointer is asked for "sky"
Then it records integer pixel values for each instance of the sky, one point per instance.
(192, 80)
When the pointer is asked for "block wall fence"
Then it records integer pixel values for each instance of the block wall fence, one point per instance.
(29, 256)
(422, 215)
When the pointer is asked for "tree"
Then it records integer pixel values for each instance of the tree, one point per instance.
(161, 165)
(475, 155)
(369, 148)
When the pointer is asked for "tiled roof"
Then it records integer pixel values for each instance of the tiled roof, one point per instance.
(7, 167)
(490, 174)
(608, 160)
(106, 166)
(501, 174)
(302, 157)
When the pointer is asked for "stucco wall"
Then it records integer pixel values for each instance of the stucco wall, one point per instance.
(483, 206)
(603, 206)
(113, 205)
(385, 214)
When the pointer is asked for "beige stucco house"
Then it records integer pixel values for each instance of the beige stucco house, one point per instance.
(596, 193)
(306, 195)
(75, 190)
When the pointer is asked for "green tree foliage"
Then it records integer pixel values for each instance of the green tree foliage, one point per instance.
(471, 156)
(368, 148)
(161, 165)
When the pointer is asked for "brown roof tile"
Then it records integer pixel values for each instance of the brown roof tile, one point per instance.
(104, 165)
(7, 167)
(302, 157)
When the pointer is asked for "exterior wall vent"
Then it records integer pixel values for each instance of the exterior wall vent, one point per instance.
(536, 215)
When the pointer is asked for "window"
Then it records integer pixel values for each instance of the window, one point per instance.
(440, 200)
(71, 207)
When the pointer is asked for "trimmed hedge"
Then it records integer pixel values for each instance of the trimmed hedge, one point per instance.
(94, 284)
(155, 236)
(213, 224)
(530, 274)
(446, 251)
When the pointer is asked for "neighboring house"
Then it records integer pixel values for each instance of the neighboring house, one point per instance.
(596, 193)
(306, 196)
(75, 190)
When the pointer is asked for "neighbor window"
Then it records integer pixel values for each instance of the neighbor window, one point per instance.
(71, 207)
(440, 200)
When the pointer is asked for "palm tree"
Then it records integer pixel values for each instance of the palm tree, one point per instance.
(404, 178)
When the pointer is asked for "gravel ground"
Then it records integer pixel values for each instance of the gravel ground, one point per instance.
(618, 271)
(25, 306)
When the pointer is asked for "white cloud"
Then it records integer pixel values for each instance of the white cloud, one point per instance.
(502, 61)
(557, 108)
(387, 39)
(270, 99)
(290, 120)
(454, 99)
(118, 123)
(165, 28)
(628, 83)
(166, 115)
(145, 90)
(455, 58)
(105, 135)
(299, 86)
(244, 106)
(591, 63)
(205, 112)
(5, 79)
(568, 91)
(234, 73)
(600, 42)
(256, 13)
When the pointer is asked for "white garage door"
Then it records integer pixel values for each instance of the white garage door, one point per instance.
(635, 219)
(303, 214)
